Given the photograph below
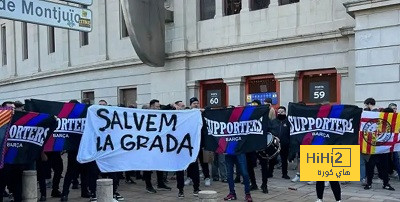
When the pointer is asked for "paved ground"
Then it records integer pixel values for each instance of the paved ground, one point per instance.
(278, 191)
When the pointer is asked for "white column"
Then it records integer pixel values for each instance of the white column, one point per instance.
(104, 190)
(29, 186)
(245, 5)
(193, 87)
(288, 88)
(347, 94)
(274, 3)
(219, 8)
(235, 91)
(208, 196)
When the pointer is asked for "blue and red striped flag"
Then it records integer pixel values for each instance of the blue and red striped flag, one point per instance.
(237, 130)
(27, 136)
(71, 118)
(323, 125)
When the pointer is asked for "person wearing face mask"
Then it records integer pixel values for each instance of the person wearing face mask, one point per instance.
(282, 131)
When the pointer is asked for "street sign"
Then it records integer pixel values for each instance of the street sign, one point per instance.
(47, 13)
(82, 2)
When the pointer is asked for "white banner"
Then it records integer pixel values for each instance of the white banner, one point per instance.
(123, 139)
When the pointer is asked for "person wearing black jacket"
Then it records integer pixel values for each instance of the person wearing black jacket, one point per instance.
(282, 131)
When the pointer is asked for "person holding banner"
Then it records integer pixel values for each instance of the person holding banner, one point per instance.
(382, 163)
(155, 105)
(180, 175)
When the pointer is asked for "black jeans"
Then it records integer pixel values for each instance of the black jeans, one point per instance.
(204, 166)
(381, 162)
(147, 178)
(41, 168)
(73, 170)
(193, 169)
(284, 153)
(251, 159)
(335, 186)
(11, 175)
(93, 175)
(284, 159)
(56, 163)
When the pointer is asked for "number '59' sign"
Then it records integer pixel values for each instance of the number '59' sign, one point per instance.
(319, 92)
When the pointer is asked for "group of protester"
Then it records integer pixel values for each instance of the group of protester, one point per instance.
(223, 166)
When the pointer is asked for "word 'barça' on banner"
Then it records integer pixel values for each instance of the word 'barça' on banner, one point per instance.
(323, 125)
(47, 13)
(71, 118)
(123, 139)
(28, 133)
(379, 132)
(5, 120)
(237, 130)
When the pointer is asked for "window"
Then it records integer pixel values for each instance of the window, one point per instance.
(232, 7)
(128, 97)
(123, 28)
(207, 9)
(84, 36)
(213, 93)
(284, 2)
(24, 32)
(3, 45)
(88, 97)
(262, 87)
(319, 87)
(259, 4)
(51, 40)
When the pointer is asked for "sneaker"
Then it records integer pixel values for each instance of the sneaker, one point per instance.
(388, 187)
(196, 192)
(151, 190)
(296, 178)
(188, 182)
(311, 182)
(224, 181)
(230, 197)
(364, 182)
(181, 194)
(326, 184)
(85, 195)
(286, 177)
(118, 197)
(253, 187)
(264, 188)
(319, 200)
(56, 193)
(248, 198)
(93, 199)
(42, 198)
(207, 182)
(163, 188)
(367, 187)
(64, 198)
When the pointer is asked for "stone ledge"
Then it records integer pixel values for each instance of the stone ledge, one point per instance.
(353, 6)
